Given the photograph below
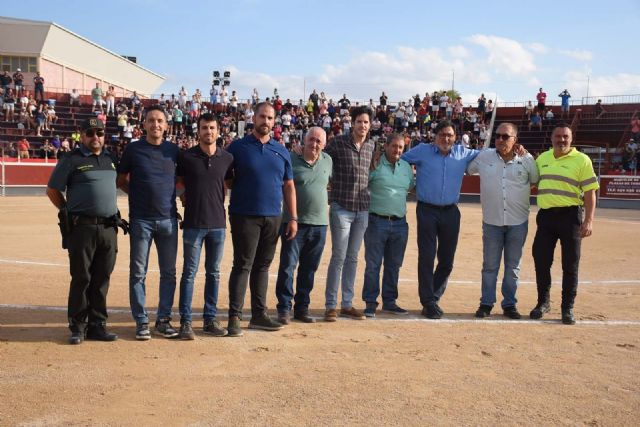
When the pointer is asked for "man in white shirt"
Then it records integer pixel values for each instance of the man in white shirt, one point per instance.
(505, 188)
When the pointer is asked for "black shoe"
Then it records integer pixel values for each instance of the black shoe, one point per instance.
(370, 309)
(284, 318)
(264, 323)
(439, 310)
(99, 332)
(303, 316)
(186, 331)
(212, 327)
(76, 337)
(511, 312)
(431, 312)
(164, 328)
(484, 311)
(142, 332)
(540, 310)
(568, 317)
(394, 309)
(233, 327)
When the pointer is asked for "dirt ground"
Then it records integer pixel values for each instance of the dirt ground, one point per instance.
(388, 371)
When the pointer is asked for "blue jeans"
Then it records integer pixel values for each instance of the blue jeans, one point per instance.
(192, 240)
(347, 231)
(306, 248)
(495, 240)
(385, 240)
(165, 235)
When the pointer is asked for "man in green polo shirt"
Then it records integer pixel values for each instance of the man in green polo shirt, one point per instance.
(387, 232)
(567, 201)
(311, 174)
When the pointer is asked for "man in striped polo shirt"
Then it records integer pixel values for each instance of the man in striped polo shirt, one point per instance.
(567, 201)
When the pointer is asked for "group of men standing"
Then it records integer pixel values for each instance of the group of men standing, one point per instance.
(367, 203)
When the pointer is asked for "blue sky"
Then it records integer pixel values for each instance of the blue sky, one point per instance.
(502, 48)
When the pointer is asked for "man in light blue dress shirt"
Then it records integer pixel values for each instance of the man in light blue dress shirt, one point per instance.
(439, 170)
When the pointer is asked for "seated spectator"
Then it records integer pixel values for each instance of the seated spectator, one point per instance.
(549, 116)
(528, 110)
(536, 120)
(74, 98)
(635, 129)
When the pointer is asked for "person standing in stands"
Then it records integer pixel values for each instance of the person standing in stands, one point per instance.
(202, 170)
(88, 218)
(38, 83)
(147, 174)
(567, 201)
(260, 179)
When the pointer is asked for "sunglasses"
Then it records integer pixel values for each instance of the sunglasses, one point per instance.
(90, 133)
(503, 136)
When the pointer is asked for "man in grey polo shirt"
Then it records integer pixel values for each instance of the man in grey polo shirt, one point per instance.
(311, 174)
(505, 188)
(385, 240)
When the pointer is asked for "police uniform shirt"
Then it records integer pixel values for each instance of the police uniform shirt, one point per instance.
(89, 181)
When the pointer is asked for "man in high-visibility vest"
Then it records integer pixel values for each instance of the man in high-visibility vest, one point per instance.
(567, 201)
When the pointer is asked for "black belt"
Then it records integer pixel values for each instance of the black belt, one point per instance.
(387, 217)
(89, 220)
(562, 209)
(429, 205)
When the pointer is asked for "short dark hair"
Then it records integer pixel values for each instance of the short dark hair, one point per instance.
(358, 111)
(208, 117)
(444, 124)
(156, 107)
(562, 125)
(259, 105)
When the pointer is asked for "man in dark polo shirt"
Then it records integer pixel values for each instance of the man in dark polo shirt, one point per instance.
(202, 170)
(261, 175)
(147, 173)
(88, 176)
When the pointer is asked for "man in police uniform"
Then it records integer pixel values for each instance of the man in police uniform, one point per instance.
(88, 216)
(567, 184)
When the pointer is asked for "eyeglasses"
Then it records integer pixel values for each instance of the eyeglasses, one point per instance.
(503, 136)
(90, 133)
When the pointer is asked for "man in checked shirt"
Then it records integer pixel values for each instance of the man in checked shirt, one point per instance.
(349, 211)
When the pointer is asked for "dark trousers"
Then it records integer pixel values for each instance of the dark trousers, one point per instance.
(305, 252)
(558, 224)
(438, 229)
(92, 256)
(254, 245)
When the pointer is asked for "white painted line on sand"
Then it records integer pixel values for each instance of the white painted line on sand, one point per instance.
(407, 318)
(318, 276)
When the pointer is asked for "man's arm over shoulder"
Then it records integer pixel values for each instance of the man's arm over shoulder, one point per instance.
(415, 155)
(532, 168)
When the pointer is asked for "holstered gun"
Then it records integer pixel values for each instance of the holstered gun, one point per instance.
(65, 224)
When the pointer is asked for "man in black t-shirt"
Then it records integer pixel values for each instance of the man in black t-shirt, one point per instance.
(202, 170)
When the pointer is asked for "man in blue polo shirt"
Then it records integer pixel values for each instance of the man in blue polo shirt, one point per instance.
(439, 170)
(261, 175)
(147, 173)
(387, 231)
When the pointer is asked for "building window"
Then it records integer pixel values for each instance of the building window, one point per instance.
(12, 63)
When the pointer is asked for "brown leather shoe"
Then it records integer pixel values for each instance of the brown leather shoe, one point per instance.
(352, 313)
(331, 315)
